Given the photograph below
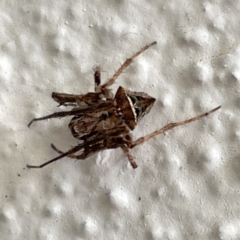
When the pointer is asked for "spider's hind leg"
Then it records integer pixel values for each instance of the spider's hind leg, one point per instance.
(65, 154)
(61, 152)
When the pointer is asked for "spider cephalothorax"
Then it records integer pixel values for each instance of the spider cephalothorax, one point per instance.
(133, 105)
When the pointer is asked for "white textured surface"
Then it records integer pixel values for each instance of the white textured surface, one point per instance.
(187, 185)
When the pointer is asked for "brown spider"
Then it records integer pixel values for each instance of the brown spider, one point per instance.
(103, 121)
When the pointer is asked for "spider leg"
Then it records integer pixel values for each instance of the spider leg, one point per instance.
(82, 156)
(106, 92)
(57, 115)
(69, 152)
(129, 155)
(60, 152)
(66, 99)
(170, 126)
(97, 77)
(111, 80)
(88, 151)
(90, 147)
(76, 111)
(56, 149)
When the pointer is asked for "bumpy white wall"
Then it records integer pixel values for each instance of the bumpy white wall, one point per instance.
(187, 185)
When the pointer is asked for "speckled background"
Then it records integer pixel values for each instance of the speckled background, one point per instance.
(187, 185)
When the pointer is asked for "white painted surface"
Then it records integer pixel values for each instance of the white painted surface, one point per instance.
(187, 185)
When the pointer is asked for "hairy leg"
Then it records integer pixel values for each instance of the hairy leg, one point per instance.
(69, 152)
(57, 115)
(129, 155)
(170, 126)
(111, 80)
(61, 152)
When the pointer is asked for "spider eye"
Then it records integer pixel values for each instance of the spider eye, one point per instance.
(133, 99)
(138, 111)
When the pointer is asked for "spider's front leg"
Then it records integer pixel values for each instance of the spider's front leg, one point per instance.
(128, 143)
(111, 80)
(169, 127)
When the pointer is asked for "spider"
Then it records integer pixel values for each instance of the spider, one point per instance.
(104, 121)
